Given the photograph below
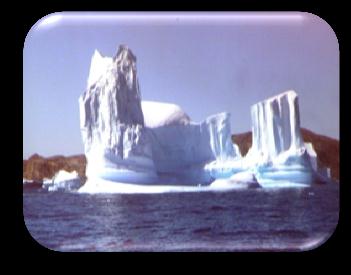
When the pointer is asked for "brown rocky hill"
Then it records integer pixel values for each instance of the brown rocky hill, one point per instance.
(38, 167)
(327, 148)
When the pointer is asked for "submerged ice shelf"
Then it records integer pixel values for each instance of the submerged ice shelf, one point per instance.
(131, 141)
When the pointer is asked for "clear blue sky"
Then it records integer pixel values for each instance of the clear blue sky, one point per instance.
(205, 64)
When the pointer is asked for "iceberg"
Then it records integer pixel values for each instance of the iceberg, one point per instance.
(278, 152)
(112, 121)
(321, 173)
(47, 181)
(130, 142)
(312, 154)
(63, 181)
(243, 179)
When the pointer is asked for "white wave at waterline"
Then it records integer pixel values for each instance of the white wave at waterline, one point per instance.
(95, 186)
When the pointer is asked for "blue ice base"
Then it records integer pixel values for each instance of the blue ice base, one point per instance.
(267, 175)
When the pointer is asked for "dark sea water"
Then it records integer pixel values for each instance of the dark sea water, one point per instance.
(290, 219)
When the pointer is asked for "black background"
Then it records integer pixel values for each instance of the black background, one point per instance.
(28, 253)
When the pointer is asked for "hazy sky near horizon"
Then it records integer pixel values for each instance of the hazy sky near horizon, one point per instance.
(204, 64)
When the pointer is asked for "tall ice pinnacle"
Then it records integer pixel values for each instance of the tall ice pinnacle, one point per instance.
(276, 124)
(278, 151)
(111, 118)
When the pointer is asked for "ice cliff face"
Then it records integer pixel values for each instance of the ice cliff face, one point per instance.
(276, 125)
(111, 118)
(312, 154)
(220, 137)
(278, 151)
(181, 149)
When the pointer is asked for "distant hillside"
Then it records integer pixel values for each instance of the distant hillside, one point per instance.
(38, 167)
(327, 148)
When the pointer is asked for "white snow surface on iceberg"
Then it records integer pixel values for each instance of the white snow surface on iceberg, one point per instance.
(157, 114)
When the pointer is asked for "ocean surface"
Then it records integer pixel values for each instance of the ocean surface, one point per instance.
(284, 219)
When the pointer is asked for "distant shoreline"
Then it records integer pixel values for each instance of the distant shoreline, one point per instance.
(38, 167)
